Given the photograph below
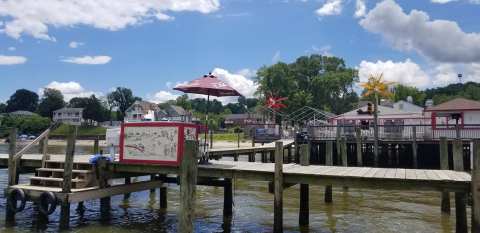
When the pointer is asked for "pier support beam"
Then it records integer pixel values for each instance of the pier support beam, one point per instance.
(358, 138)
(278, 194)
(163, 192)
(152, 178)
(188, 183)
(227, 198)
(476, 187)
(328, 162)
(444, 166)
(303, 218)
(460, 197)
(127, 181)
(67, 178)
(12, 171)
(414, 147)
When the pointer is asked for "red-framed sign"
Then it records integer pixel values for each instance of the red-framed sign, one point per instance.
(155, 142)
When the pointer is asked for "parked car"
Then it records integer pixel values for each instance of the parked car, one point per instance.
(32, 137)
(23, 137)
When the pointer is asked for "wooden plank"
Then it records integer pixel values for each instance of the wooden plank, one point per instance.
(380, 173)
(441, 174)
(420, 175)
(400, 173)
(444, 153)
(358, 140)
(410, 174)
(390, 174)
(431, 175)
(458, 155)
(475, 187)
(371, 173)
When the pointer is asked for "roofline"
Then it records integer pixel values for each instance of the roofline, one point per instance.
(453, 110)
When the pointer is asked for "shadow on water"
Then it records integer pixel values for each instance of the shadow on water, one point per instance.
(355, 210)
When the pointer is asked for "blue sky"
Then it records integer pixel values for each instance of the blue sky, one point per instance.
(151, 46)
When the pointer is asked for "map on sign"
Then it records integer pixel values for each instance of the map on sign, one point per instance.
(150, 143)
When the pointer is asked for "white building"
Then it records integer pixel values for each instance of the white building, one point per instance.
(143, 111)
(71, 116)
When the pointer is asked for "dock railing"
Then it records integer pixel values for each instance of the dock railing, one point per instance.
(396, 132)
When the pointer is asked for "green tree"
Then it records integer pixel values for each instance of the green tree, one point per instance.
(184, 102)
(401, 92)
(122, 98)
(318, 81)
(52, 100)
(28, 124)
(93, 109)
(3, 108)
(22, 99)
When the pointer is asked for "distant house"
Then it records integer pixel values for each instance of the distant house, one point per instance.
(460, 110)
(407, 106)
(72, 116)
(144, 111)
(21, 113)
(177, 113)
(242, 119)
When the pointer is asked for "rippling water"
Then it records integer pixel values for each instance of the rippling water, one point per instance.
(355, 210)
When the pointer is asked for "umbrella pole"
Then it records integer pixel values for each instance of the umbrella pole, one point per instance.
(206, 124)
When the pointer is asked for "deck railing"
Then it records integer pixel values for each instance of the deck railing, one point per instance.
(395, 132)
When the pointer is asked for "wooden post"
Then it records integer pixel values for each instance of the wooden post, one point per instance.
(329, 162)
(343, 149)
(211, 139)
(338, 145)
(238, 139)
(358, 137)
(227, 198)
(476, 187)
(253, 137)
(303, 218)
(278, 189)
(12, 170)
(152, 178)
(96, 149)
(163, 193)
(188, 182)
(460, 197)
(127, 181)
(289, 154)
(45, 155)
(444, 166)
(414, 147)
(375, 131)
(67, 177)
(297, 149)
(102, 173)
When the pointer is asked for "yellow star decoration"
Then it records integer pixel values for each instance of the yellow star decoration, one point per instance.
(375, 84)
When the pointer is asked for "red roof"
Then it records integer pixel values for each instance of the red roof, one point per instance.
(458, 104)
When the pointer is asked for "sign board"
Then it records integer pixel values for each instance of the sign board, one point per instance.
(155, 142)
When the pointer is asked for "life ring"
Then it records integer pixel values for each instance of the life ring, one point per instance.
(47, 203)
(14, 197)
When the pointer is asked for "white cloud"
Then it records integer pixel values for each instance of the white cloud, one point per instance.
(11, 48)
(163, 96)
(360, 8)
(237, 81)
(323, 50)
(12, 60)
(75, 44)
(69, 90)
(407, 72)
(439, 40)
(88, 60)
(442, 1)
(276, 57)
(33, 18)
(331, 7)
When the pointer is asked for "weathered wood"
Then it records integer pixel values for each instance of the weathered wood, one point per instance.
(211, 139)
(163, 192)
(460, 197)
(12, 171)
(445, 205)
(343, 149)
(96, 148)
(67, 177)
(476, 187)
(152, 177)
(358, 139)
(278, 195)
(328, 162)
(19, 154)
(303, 218)
(414, 147)
(227, 198)
(127, 182)
(45, 155)
(238, 139)
(188, 181)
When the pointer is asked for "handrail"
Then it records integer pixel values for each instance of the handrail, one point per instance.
(45, 133)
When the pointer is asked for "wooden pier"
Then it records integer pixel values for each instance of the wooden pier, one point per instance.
(221, 173)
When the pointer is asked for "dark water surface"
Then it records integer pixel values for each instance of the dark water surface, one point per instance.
(355, 210)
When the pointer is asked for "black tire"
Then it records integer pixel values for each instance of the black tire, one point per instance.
(14, 196)
(47, 203)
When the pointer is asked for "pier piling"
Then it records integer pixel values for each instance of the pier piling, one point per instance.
(358, 139)
(278, 188)
(188, 182)
(67, 177)
(227, 198)
(445, 207)
(476, 187)
(414, 147)
(12, 171)
(329, 162)
(303, 218)
(460, 197)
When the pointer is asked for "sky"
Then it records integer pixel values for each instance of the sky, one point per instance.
(85, 47)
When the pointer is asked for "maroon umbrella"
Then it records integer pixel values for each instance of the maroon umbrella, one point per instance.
(208, 85)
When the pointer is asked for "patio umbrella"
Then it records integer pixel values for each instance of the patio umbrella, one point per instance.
(208, 85)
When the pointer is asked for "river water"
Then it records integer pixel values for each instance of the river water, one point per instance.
(355, 210)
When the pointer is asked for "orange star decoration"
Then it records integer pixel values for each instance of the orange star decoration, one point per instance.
(275, 102)
(376, 85)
